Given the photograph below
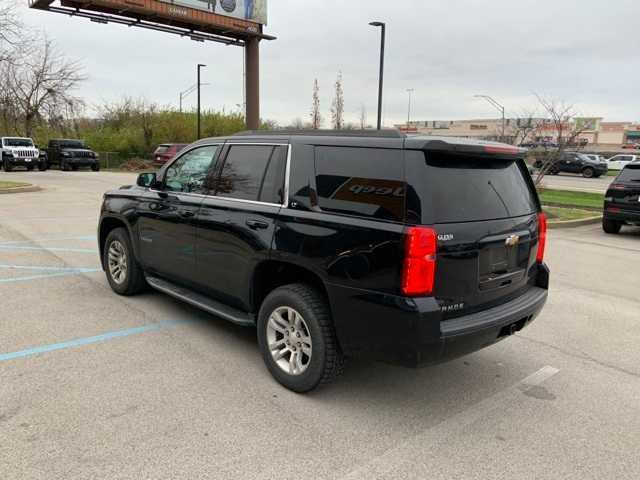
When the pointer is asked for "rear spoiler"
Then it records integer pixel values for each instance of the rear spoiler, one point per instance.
(476, 148)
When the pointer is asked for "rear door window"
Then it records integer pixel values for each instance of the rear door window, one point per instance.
(364, 182)
(444, 188)
(246, 174)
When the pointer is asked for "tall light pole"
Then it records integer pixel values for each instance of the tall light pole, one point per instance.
(410, 90)
(199, 84)
(498, 106)
(381, 84)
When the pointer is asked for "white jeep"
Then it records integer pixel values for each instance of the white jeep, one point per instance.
(20, 152)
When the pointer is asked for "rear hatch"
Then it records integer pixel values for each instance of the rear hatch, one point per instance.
(485, 211)
(624, 192)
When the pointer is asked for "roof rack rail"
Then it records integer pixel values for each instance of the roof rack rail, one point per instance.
(386, 133)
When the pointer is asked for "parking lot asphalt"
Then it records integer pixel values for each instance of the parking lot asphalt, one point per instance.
(575, 182)
(93, 385)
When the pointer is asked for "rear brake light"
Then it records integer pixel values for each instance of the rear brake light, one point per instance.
(542, 237)
(613, 209)
(502, 149)
(617, 186)
(419, 270)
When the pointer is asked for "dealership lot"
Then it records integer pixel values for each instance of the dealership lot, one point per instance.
(92, 384)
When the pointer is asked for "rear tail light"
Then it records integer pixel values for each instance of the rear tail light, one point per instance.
(617, 186)
(613, 209)
(419, 270)
(542, 237)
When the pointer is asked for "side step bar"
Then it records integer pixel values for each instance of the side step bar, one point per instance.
(200, 301)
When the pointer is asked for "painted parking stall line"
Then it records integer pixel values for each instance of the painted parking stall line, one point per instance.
(79, 342)
(44, 272)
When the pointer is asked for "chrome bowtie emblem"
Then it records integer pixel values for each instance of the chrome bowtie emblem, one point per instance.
(512, 241)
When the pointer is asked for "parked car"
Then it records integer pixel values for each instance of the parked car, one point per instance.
(595, 157)
(574, 162)
(71, 155)
(337, 244)
(631, 146)
(166, 152)
(20, 152)
(618, 162)
(622, 200)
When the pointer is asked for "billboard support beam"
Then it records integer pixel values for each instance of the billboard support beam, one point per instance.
(252, 60)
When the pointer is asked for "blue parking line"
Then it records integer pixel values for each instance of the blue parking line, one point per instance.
(48, 275)
(52, 239)
(89, 340)
(46, 268)
(49, 249)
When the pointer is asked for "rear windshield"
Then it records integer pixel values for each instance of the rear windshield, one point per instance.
(631, 173)
(444, 188)
(161, 149)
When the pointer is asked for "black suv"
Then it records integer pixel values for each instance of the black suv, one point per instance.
(573, 162)
(71, 155)
(622, 200)
(411, 250)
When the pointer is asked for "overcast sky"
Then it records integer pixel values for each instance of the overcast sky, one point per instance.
(585, 52)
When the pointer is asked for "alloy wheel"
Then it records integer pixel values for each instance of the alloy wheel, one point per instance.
(117, 262)
(289, 340)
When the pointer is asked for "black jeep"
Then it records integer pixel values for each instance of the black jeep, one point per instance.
(71, 155)
(405, 249)
(622, 200)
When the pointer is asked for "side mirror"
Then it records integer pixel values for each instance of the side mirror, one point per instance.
(147, 180)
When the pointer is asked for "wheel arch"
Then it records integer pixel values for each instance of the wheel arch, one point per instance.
(271, 274)
(108, 224)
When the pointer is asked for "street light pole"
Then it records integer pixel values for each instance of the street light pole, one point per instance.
(410, 90)
(498, 106)
(381, 78)
(199, 119)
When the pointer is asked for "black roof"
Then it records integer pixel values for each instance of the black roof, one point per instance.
(385, 133)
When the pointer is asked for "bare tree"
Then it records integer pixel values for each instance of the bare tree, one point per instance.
(337, 107)
(316, 118)
(10, 29)
(41, 85)
(561, 121)
(363, 117)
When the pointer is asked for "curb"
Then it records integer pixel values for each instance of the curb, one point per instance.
(29, 188)
(574, 223)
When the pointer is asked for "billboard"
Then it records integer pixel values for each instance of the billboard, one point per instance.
(252, 10)
(589, 124)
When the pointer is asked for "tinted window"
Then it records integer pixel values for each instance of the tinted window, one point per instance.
(244, 171)
(18, 142)
(367, 182)
(448, 188)
(189, 172)
(161, 149)
(272, 190)
(631, 173)
(72, 144)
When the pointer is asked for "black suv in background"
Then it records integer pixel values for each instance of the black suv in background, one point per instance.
(71, 155)
(412, 250)
(573, 162)
(622, 200)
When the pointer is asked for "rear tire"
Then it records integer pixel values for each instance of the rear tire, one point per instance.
(63, 166)
(300, 315)
(124, 273)
(611, 226)
(588, 172)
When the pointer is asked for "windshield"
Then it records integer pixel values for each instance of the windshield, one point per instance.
(72, 144)
(631, 173)
(18, 142)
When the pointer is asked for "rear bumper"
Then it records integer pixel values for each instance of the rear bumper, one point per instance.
(630, 216)
(411, 332)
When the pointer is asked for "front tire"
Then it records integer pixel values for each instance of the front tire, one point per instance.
(297, 338)
(7, 166)
(124, 274)
(611, 226)
(95, 167)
